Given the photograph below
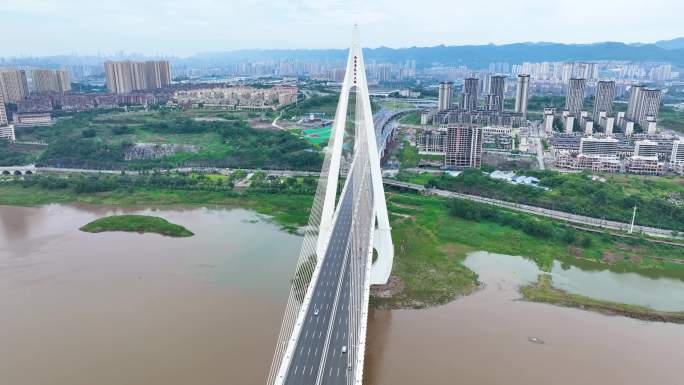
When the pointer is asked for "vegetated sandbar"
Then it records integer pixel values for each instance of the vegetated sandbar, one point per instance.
(543, 291)
(138, 224)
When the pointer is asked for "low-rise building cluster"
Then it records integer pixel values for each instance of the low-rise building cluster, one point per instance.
(647, 154)
(82, 102)
(237, 97)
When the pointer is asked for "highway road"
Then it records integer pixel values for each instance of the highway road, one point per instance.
(318, 356)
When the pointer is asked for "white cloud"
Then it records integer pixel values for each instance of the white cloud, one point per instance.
(184, 27)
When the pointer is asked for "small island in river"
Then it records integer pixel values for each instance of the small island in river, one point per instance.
(138, 224)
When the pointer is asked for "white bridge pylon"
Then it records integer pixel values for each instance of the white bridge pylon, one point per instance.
(334, 271)
(355, 79)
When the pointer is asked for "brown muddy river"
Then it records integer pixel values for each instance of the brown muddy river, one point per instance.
(131, 309)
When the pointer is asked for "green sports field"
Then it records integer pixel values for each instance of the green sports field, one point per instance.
(318, 135)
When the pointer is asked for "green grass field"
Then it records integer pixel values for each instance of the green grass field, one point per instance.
(395, 105)
(410, 118)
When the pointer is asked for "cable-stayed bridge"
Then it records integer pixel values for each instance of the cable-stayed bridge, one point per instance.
(347, 247)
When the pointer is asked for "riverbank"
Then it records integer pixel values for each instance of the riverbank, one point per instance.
(430, 242)
(543, 291)
(291, 211)
(137, 224)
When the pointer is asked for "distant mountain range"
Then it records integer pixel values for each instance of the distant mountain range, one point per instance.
(677, 43)
(475, 56)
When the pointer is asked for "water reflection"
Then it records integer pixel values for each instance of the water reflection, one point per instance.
(665, 294)
(484, 338)
(660, 293)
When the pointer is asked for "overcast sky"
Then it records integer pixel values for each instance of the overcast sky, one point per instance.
(184, 27)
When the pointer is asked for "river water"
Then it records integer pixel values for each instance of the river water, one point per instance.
(121, 308)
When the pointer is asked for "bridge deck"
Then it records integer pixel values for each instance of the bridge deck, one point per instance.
(324, 335)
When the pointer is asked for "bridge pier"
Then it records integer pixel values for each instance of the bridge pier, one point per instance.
(382, 267)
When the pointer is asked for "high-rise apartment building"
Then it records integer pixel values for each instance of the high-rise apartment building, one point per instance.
(648, 106)
(463, 147)
(127, 76)
(497, 88)
(3, 112)
(157, 73)
(605, 93)
(50, 81)
(677, 155)
(469, 96)
(632, 105)
(13, 85)
(585, 71)
(490, 102)
(63, 80)
(446, 92)
(522, 94)
(485, 83)
(44, 80)
(574, 99)
(643, 105)
(6, 129)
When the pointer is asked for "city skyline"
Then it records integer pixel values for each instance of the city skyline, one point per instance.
(182, 29)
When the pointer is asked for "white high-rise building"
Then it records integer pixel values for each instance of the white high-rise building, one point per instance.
(497, 89)
(446, 92)
(677, 155)
(574, 100)
(603, 103)
(6, 130)
(633, 104)
(549, 115)
(3, 111)
(569, 123)
(469, 96)
(610, 123)
(649, 106)
(522, 94)
(50, 80)
(13, 85)
(127, 76)
(629, 127)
